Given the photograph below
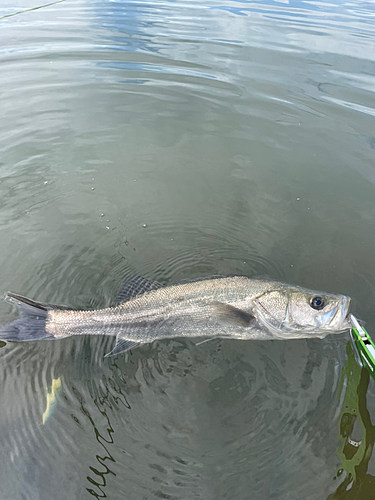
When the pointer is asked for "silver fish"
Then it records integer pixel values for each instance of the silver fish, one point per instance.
(235, 307)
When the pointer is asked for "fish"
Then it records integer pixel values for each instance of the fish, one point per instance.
(227, 307)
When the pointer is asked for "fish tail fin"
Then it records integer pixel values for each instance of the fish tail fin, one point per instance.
(31, 324)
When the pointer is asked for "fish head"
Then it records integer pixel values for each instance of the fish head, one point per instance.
(295, 312)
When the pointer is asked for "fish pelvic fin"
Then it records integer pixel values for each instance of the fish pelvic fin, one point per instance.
(31, 324)
(133, 286)
(122, 345)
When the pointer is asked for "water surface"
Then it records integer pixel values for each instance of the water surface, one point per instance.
(172, 140)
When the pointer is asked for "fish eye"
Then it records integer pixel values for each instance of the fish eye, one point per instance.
(317, 303)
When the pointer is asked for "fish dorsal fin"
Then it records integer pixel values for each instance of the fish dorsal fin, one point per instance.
(233, 315)
(133, 286)
(122, 345)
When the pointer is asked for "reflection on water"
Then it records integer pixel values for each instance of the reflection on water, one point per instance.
(174, 140)
(51, 399)
(357, 435)
(174, 418)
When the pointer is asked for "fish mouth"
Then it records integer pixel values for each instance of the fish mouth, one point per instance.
(337, 319)
(346, 313)
(341, 317)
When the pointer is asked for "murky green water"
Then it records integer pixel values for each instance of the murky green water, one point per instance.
(174, 140)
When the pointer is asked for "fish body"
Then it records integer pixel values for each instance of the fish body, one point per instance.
(236, 307)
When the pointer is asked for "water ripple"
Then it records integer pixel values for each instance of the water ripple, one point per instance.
(172, 141)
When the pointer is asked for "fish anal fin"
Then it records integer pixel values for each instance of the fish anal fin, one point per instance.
(122, 345)
(133, 286)
(234, 315)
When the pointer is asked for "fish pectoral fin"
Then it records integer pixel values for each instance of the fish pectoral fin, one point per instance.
(133, 286)
(122, 345)
(233, 315)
